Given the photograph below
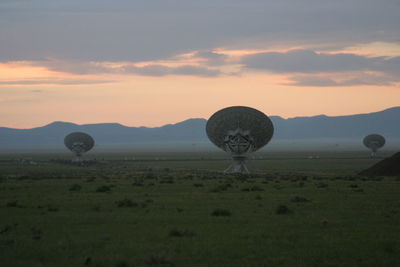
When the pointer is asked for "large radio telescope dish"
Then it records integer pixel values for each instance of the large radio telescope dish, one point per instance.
(374, 142)
(239, 130)
(79, 143)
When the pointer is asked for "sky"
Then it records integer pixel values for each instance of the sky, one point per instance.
(155, 62)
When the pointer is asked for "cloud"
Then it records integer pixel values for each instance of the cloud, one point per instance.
(211, 57)
(344, 69)
(74, 66)
(54, 82)
(161, 70)
(137, 30)
(307, 61)
(326, 81)
(195, 70)
(83, 68)
(389, 65)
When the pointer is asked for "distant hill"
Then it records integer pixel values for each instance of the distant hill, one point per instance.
(309, 129)
(104, 133)
(386, 122)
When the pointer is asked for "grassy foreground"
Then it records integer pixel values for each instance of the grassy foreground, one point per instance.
(293, 211)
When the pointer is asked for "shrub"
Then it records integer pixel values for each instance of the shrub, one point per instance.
(90, 179)
(158, 259)
(220, 188)
(88, 260)
(299, 199)
(282, 209)
(52, 208)
(7, 243)
(36, 233)
(75, 187)
(138, 184)
(178, 233)
(123, 203)
(12, 204)
(359, 190)
(254, 188)
(122, 264)
(390, 247)
(96, 208)
(8, 227)
(150, 176)
(351, 178)
(321, 185)
(278, 187)
(242, 177)
(221, 212)
(103, 188)
(167, 180)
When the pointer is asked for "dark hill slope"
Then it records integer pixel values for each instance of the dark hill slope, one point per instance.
(387, 167)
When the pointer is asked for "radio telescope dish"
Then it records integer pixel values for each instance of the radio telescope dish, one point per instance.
(239, 131)
(79, 143)
(374, 142)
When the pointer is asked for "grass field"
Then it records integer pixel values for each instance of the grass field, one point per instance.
(178, 209)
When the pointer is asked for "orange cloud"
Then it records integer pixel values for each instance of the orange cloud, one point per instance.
(32, 94)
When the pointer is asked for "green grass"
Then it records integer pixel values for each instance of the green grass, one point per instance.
(156, 213)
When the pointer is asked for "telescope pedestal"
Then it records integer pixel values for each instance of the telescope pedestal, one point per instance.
(238, 166)
(78, 159)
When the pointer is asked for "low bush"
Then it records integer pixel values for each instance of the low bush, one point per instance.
(220, 188)
(221, 212)
(103, 189)
(282, 209)
(158, 259)
(124, 203)
(122, 264)
(321, 185)
(36, 233)
(180, 233)
(299, 199)
(75, 187)
(254, 188)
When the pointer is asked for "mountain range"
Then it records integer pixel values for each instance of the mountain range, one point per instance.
(338, 129)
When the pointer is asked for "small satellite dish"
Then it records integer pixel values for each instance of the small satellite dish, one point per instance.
(79, 143)
(239, 131)
(374, 142)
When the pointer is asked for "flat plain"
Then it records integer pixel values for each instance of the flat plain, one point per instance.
(179, 209)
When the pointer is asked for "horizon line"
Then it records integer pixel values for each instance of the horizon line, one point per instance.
(163, 125)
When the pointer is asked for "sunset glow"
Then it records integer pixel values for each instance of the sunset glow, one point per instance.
(279, 77)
